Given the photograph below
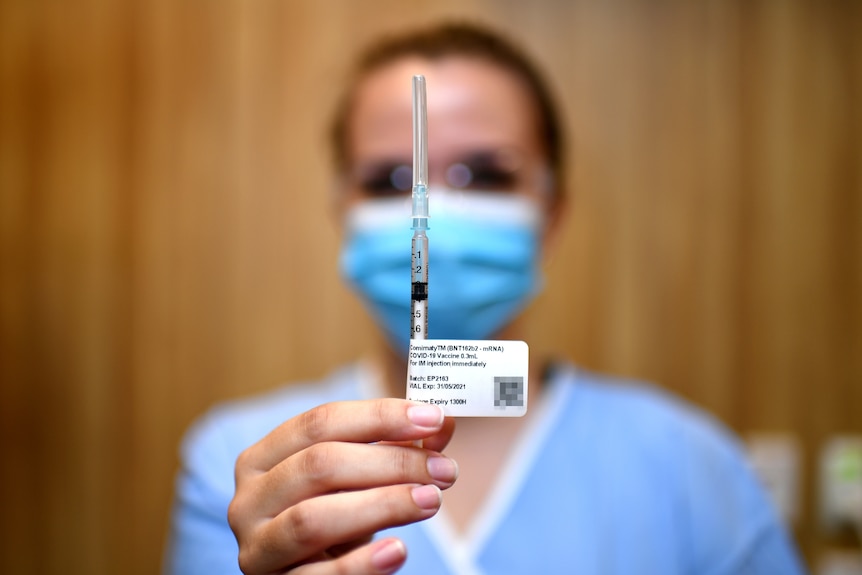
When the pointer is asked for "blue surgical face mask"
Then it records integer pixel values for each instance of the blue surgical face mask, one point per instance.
(483, 262)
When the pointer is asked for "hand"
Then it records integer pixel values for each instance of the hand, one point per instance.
(311, 494)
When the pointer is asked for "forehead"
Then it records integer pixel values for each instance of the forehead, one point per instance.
(472, 104)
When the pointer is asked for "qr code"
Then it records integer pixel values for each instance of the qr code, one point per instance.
(508, 392)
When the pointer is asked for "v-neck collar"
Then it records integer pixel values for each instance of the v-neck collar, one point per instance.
(462, 552)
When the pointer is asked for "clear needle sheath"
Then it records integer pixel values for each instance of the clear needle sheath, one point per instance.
(419, 244)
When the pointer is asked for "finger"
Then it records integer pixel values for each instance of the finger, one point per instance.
(345, 548)
(364, 421)
(440, 440)
(436, 442)
(329, 467)
(381, 557)
(314, 525)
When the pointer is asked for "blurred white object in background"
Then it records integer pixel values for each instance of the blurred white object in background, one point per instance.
(775, 458)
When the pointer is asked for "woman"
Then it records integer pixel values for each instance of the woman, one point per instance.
(600, 476)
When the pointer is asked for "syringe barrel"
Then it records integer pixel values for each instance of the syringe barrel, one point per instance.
(419, 272)
(419, 286)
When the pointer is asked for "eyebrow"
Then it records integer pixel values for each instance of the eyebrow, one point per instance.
(479, 156)
(377, 168)
(482, 157)
(383, 163)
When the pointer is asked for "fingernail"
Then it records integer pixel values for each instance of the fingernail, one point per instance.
(427, 496)
(442, 469)
(425, 415)
(389, 556)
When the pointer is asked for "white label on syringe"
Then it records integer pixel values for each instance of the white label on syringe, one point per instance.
(470, 378)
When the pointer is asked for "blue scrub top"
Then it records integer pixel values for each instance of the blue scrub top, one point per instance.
(613, 477)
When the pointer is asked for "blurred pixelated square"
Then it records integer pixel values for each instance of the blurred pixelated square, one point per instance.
(508, 392)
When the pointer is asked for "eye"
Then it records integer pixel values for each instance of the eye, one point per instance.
(385, 179)
(459, 176)
(493, 178)
(481, 176)
(489, 171)
(402, 178)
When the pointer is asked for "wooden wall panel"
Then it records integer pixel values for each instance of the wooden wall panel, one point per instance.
(166, 239)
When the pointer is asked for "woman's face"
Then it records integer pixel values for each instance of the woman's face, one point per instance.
(482, 133)
(482, 137)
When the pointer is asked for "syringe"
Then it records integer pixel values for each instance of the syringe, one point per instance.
(419, 282)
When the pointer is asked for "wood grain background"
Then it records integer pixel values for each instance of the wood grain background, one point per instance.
(166, 241)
